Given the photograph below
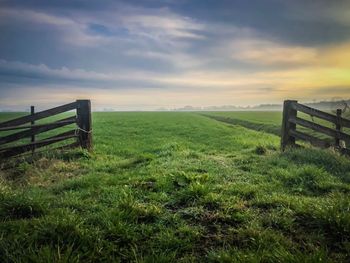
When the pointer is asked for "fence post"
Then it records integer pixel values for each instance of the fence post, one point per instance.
(84, 123)
(288, 112)
(338, 127)
(32, 139)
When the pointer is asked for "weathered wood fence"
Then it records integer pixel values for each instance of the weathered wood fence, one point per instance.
(82, 132)
(290, 134)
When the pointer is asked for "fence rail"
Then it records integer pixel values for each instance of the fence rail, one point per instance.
(340, 139)
(82, 133)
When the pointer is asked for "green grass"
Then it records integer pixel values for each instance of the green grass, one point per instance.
(166, 187)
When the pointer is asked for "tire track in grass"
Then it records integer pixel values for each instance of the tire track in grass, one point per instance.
(265, 127)
(262, 127)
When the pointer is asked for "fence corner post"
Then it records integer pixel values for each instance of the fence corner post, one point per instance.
(84, 123)
(288, 112)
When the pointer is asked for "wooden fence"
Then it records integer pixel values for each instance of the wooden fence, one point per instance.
(82, 132)
(339, 138)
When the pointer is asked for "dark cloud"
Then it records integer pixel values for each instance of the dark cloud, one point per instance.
(302, 22)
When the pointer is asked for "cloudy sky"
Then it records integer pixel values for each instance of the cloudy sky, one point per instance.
(144, 55)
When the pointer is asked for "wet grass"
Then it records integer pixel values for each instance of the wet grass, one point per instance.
(165, 187)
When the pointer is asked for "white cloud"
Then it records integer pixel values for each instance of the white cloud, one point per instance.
(159, 25)
(162, 24)
(73, 31)
(149, 33)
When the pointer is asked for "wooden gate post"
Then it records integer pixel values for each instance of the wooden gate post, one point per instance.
(84, 123)
(287, 126)
(32, 138)
(338, 127)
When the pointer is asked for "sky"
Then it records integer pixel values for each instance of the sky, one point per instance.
(151, 54)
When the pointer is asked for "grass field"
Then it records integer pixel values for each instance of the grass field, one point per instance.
(167, 187)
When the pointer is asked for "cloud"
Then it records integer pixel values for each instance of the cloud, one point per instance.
(159, 25)
(336, 55)
(177, 58)
(23, 75)
(25, 70)
(321, 11)
(72, 30)
(266, 52)
(178, 53)
(162, 23)
(304, 78)
(19, 72)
